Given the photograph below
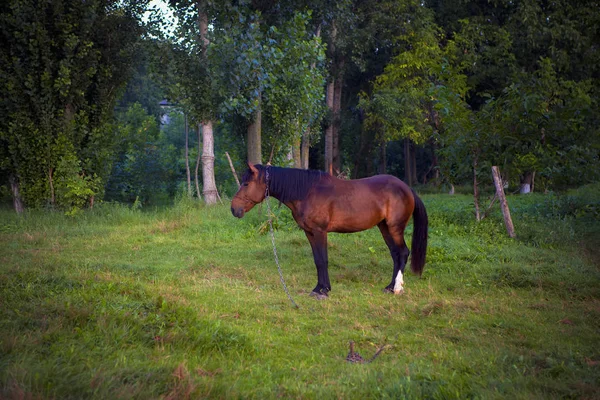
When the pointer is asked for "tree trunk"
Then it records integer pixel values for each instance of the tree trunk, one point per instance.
(253, 141)
(510, 229)
(526, 182)
(476, 190)
(289, 158)
(383, 158)
(305, 148)
(330, 100)
(208, 164)
(364, 150)
(203, 26)
(16, 195)
(329, 130)
(413, 163)
(335, 134)
(434, 166)
(51, 183)
(407, 163)
(198, 162)
(296, 152)
(187, 157)
(209, 185)
(305, 141)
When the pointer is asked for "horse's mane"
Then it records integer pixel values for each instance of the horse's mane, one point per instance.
(289, 184)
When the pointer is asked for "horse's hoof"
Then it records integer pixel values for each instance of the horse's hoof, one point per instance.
(391, 290)
(319, 296)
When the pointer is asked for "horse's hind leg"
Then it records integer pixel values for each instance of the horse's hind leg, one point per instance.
(394, 238)
(318, 243)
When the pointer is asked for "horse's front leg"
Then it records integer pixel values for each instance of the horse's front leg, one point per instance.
(318, 243)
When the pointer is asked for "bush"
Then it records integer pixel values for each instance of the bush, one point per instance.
(73, 188)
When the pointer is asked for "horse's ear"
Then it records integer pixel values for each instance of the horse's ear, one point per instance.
(252, 168)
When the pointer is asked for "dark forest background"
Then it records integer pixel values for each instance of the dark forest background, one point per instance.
(119, 101)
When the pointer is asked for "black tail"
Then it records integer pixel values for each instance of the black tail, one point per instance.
(419, 238)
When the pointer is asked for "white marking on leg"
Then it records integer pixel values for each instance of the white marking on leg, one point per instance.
(399, 285)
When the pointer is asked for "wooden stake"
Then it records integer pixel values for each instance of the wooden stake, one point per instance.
(490, 206)
(503, 203)
(233, 169)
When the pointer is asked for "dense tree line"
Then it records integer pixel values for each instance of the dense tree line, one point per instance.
(434, 92)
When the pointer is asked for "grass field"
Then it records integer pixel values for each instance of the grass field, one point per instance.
(186, 302)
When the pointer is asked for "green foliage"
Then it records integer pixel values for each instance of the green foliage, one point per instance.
(294, 96)
(73, 188)
(144, 87)
(531, 90)
(146, 165)
(281, 64)
(540, 123)
(403, 96)
(242, 55)
(474, 83)
(483, 93)
(485, 52)
(63, 65)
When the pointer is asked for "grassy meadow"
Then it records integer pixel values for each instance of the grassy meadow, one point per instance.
(185, 302)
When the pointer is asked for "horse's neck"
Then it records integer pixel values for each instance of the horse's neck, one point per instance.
(279, 182)
(291, 204)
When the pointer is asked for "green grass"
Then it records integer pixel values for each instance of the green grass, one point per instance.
(186, 303)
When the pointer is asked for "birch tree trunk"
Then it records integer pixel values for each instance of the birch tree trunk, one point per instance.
(209, 185)
(198, 157)
(289, 158)
(526, 182)
(211, 196)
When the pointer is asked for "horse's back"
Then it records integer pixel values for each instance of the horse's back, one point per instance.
(380, 188)
(390, 192)
(359, 204)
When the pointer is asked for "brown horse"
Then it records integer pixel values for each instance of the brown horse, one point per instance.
(321, 203)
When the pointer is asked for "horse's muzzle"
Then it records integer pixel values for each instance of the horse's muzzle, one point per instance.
(237, 212)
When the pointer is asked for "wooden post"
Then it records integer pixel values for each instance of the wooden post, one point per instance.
(232, 169)
(503, 204)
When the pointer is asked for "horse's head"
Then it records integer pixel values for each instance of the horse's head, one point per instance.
(251, 192)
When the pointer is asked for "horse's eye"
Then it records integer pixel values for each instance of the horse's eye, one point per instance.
(245, 184)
